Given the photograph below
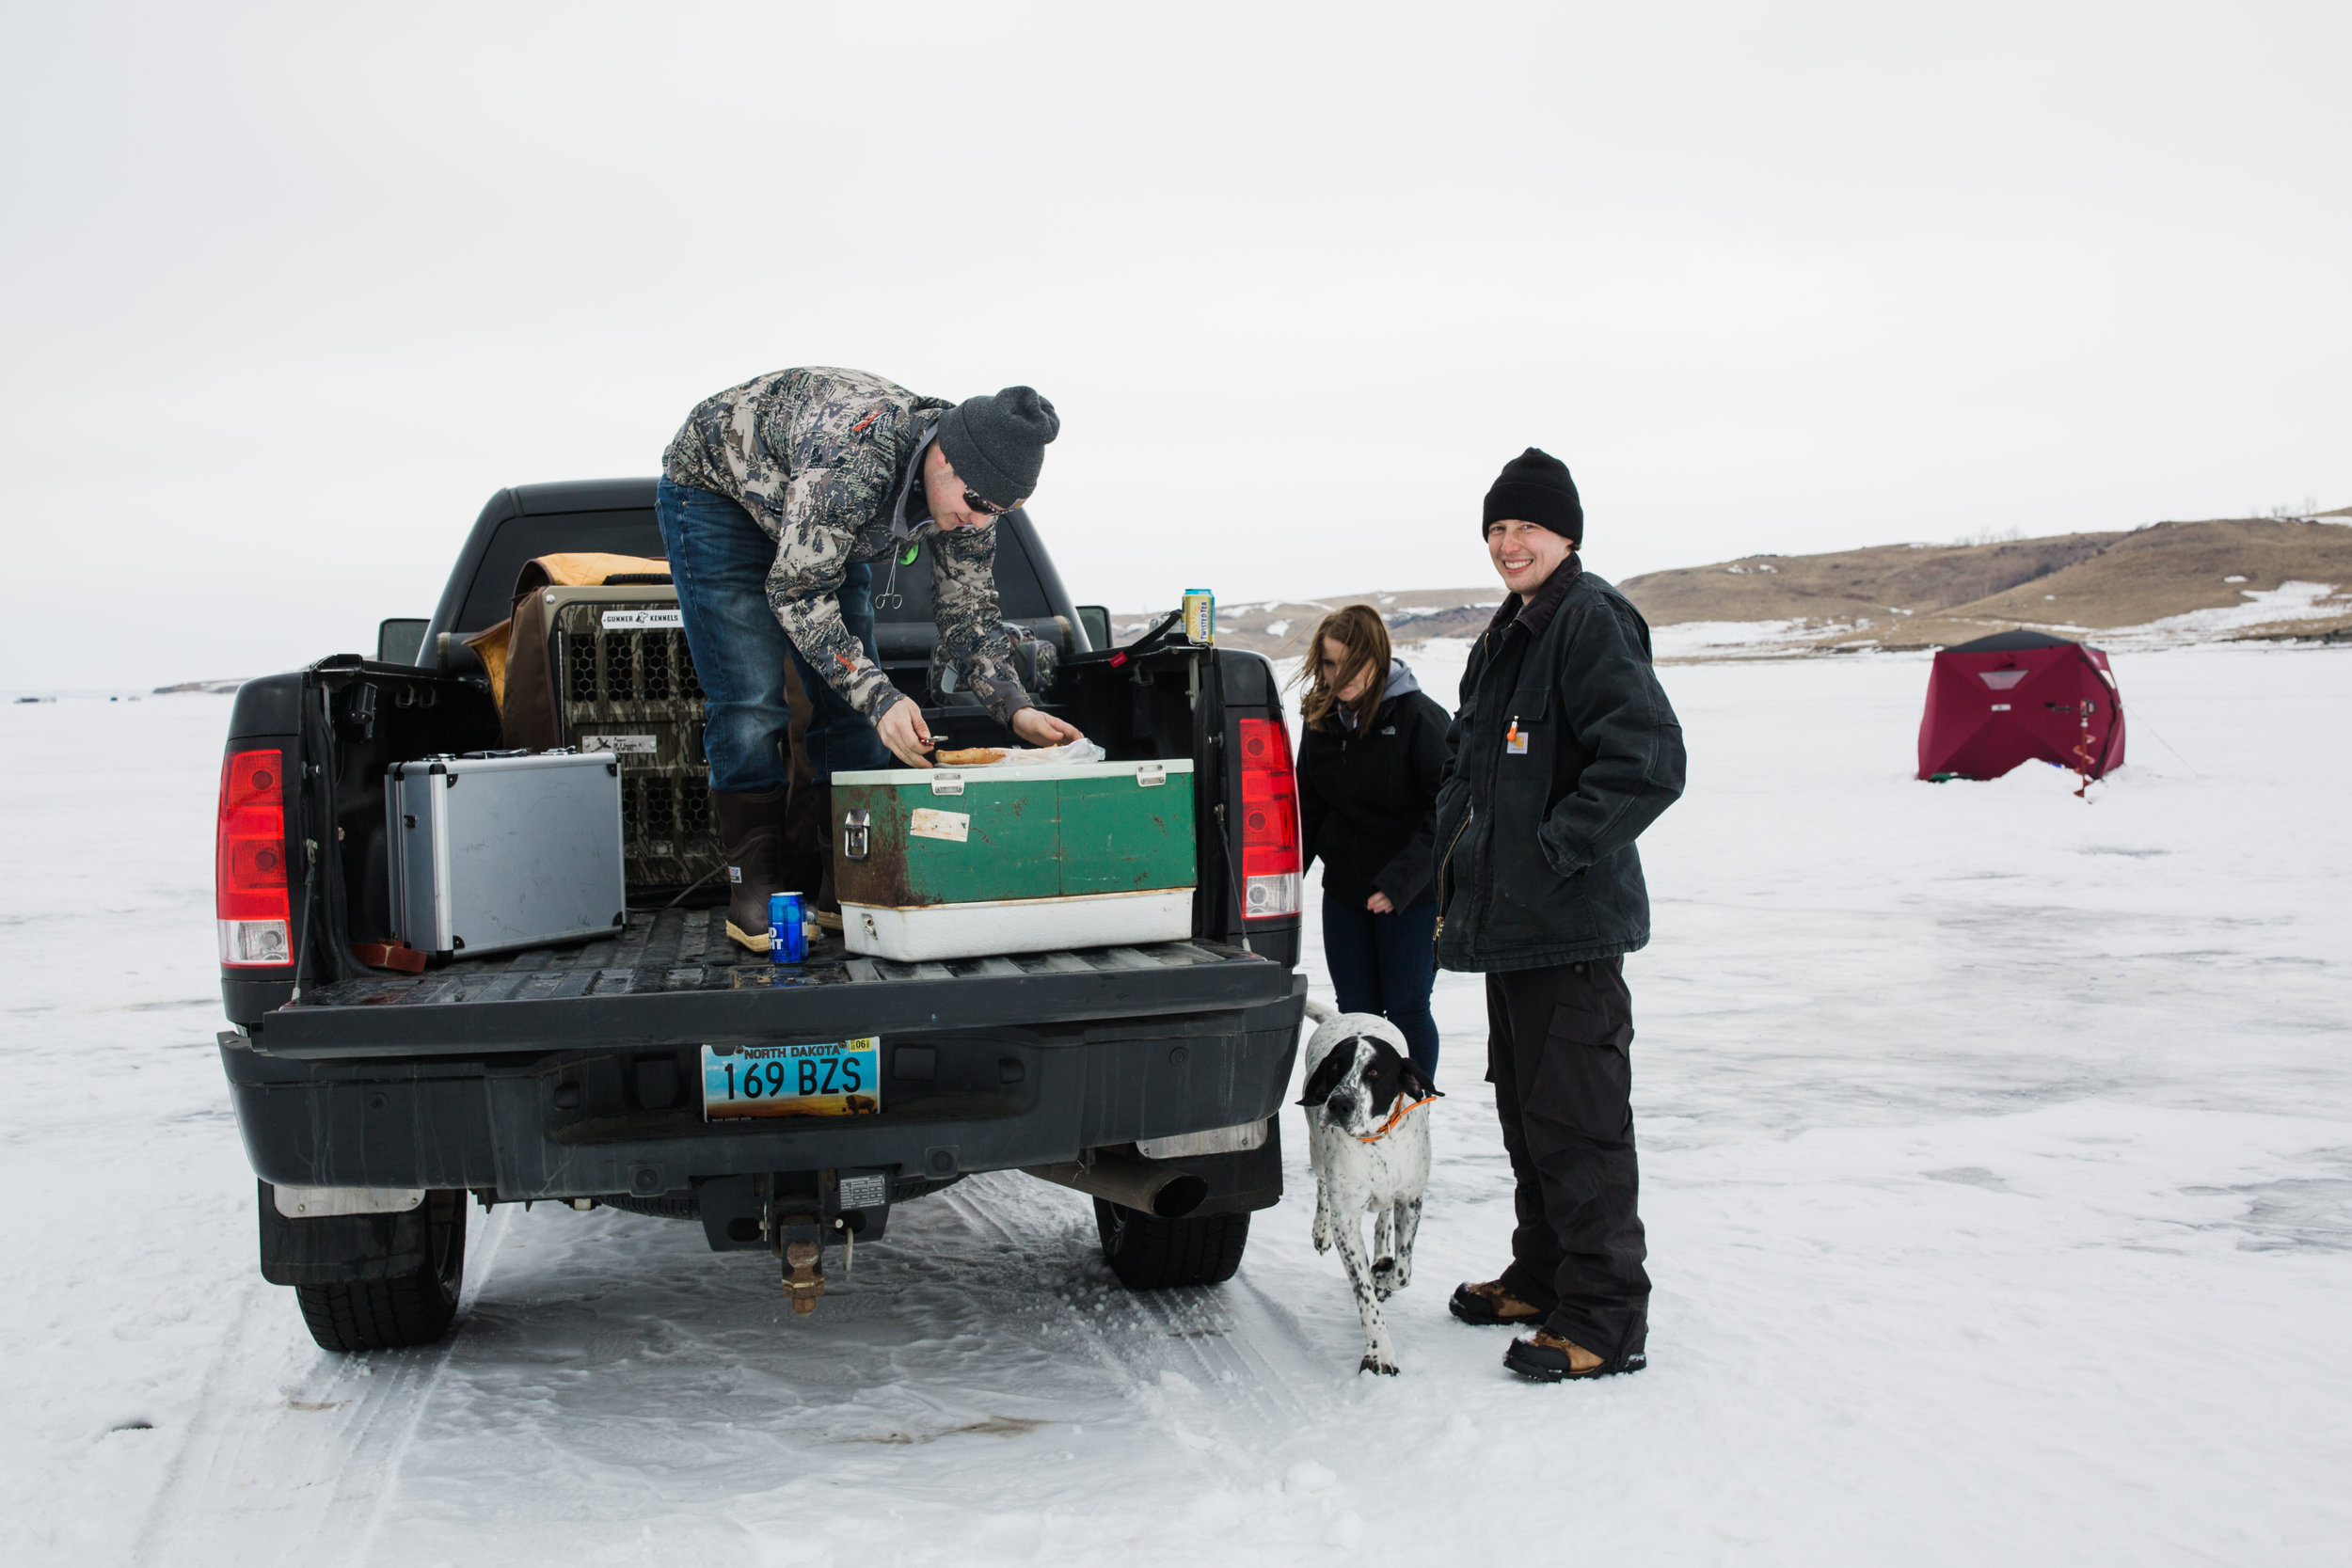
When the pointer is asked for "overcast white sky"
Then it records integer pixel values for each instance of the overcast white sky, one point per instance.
(291, 290)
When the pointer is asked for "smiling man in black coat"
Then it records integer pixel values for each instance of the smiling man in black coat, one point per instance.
(1563, 750)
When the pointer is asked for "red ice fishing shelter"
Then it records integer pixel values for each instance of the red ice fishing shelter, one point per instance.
(2017, 696)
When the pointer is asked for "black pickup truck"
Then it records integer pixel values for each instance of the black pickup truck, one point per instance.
(374, 1101)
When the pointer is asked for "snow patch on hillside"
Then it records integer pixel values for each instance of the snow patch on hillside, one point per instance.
(2289, 601)
(1754, 638)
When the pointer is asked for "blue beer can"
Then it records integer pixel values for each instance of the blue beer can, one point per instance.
(788, 938)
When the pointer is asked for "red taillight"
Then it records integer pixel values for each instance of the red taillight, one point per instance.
(249, 863)
(1269, 821)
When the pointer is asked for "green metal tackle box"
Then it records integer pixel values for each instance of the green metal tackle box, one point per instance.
(966, 862)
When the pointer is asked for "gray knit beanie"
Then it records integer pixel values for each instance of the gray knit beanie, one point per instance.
(997, 443)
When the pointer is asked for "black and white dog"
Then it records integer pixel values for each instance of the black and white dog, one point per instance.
(1370, 1151)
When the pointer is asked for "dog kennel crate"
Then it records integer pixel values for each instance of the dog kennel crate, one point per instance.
(626, 686)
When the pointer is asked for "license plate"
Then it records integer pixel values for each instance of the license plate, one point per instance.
(839, 1078)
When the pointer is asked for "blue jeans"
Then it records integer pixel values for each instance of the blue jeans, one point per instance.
(1385, 964)
(719, 559)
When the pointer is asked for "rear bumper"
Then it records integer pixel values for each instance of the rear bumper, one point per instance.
(554, 1116)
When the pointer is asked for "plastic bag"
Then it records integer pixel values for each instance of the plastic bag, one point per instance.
(1052, 756)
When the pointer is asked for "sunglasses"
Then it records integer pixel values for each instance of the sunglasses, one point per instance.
(982, 505)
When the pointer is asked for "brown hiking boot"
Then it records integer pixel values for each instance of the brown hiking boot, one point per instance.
(806, 851)
(1489, 1303)
(826, 905)
(752, 828)
(1547, 1357)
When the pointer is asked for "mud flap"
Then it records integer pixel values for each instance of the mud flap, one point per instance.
(340, 1249)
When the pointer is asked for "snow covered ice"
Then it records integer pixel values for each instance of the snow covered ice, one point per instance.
(1998, 1152)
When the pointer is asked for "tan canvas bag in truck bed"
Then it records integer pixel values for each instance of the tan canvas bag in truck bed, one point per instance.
(516, 650)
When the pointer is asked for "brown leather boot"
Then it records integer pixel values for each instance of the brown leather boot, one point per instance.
(752, 828)
(1489, 1303)
(815, 835)
(1547, 1357)
(805, 844)
(827, 904)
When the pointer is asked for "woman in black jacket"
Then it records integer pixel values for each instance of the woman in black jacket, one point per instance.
(1369, 760)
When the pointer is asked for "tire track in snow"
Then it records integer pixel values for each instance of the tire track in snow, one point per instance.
(1023, 1228)
(253, 1486)
(1230, 1340)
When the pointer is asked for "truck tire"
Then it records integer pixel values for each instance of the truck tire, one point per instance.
(408, 1309)
(1148, 1253)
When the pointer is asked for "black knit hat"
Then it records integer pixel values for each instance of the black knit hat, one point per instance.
(1533, 487)
(997, 443)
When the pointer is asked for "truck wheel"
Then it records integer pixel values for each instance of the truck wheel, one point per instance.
(1148, 1252)
(413, 1308)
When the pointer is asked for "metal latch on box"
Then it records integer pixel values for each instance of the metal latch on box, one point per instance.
(856, 834)
(947, 783)
(1150, 773)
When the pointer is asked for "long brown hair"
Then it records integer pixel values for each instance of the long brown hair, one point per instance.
(1362, 638)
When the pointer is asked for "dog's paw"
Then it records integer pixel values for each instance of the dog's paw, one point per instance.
(1386, 1281)
(1322, 1237)
(1373, 1362)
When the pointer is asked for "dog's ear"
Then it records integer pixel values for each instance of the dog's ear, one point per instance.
(1328, 1072)
(1417, 1085)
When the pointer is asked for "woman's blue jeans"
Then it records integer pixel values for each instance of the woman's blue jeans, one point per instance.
(1385, 964)
(719, 561)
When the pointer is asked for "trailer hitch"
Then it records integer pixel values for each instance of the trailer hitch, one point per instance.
(800, 1224)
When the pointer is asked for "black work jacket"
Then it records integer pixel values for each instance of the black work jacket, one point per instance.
(1367, 802)
(1536, 863)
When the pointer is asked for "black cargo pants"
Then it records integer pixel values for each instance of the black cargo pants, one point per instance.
(1558, 1052)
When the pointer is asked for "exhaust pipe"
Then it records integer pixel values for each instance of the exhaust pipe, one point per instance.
(1131, 1183)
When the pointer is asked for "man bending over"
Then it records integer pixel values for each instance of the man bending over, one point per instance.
(774, 498)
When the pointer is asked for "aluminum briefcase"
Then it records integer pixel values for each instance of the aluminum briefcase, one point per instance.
(493, 852)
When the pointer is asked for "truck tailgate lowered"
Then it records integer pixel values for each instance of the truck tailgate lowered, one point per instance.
(665, 980)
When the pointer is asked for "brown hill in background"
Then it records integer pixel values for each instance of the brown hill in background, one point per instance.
(1926, 595)
(1918, 596)
(1855, 585)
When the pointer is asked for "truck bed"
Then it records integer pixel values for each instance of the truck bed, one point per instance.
(674, 975)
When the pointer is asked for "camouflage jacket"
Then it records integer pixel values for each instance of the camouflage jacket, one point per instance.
(820, 459)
